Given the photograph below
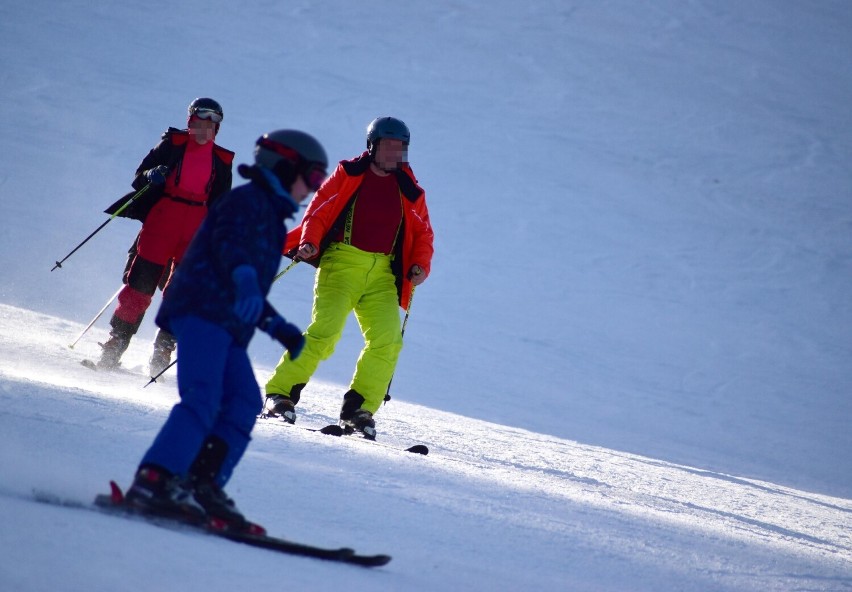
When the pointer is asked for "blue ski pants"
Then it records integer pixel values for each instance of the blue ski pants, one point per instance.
(219, 396)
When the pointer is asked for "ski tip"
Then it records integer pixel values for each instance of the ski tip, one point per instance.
(370, 560)
(383, 559)
(332, 430)
(418, 449)
(116, 495)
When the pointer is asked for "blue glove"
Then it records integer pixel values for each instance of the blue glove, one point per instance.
(157, 175)
(248, 304)
(287, 334)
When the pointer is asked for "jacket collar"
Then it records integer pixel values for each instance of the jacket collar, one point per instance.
(404, 177)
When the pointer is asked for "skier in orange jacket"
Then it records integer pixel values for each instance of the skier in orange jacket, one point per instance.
(367, 229)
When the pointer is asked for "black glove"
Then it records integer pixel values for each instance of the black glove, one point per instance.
(157, 175)
(287, 334)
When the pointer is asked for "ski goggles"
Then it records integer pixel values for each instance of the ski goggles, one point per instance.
(314, 175)
(210, 114)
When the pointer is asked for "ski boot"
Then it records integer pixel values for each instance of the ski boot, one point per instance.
(284, 406)
(222, 512)
(157, 492)
(354, 419)
(280, 406)
(360, 421)
(164, 345)
(112, 350)
(117, 344)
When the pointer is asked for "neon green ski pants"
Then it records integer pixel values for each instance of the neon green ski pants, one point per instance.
(349, 279)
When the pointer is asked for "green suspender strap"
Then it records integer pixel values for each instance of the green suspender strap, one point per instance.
(347, 226)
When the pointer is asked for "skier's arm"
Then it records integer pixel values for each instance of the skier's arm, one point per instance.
(287, 334)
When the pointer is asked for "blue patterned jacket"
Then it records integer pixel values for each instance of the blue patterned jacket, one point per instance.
(244, 227)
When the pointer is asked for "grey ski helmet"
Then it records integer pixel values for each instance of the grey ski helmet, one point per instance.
(206, 108)
(289, 153)
(386, 127)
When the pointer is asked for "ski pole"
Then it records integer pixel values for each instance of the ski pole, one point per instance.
(407, 311)
(401, 335)
(97, 316)
(107, 221)
(163, 371)
(286, 269)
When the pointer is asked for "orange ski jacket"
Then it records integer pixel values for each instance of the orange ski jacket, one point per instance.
(327, 211)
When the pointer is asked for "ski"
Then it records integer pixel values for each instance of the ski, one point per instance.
(92, 365)
(338, 431)
(114, 505)
(334, 429)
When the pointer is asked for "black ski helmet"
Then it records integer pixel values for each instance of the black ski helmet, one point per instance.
(289, 153)
(386, 127)
(204, 105)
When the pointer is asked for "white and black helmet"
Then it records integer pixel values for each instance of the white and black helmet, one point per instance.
(206, 108)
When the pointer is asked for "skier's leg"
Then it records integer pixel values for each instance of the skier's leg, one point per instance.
(133, 300)
(336, 290)
(378, 316)
(204, 350)
(241, 403)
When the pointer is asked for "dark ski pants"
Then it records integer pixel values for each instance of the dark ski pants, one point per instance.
(219, 396)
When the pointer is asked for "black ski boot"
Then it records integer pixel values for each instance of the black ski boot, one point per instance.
(280, 406)
(284, 406)
(355, 419)
(116, 345)
(157, 492)
(111, 352)
(164, 346)
(222, 512)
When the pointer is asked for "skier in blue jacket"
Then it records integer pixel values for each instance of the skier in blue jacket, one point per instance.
(216, 299)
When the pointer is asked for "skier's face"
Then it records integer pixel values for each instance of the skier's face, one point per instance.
(390, 153)
(202, 130)
(299, 190)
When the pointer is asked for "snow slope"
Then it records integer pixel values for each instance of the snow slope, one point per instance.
(491, 508)
(631, 360)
